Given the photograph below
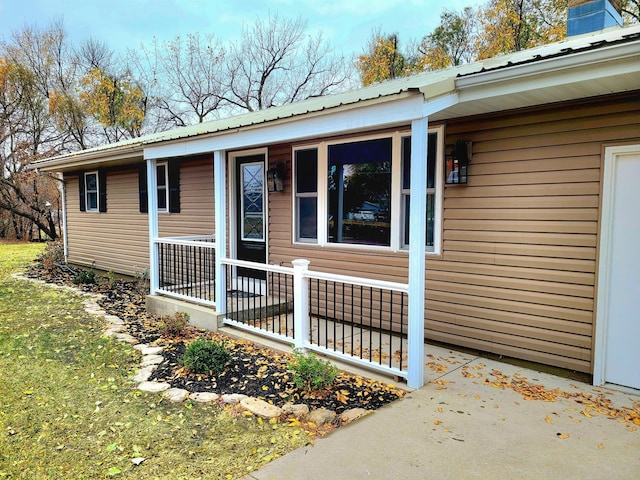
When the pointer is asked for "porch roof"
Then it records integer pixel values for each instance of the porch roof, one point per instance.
(577, 67)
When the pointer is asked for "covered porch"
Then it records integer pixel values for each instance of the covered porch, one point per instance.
(373, 323)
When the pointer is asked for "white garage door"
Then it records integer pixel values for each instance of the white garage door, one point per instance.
(618, 329)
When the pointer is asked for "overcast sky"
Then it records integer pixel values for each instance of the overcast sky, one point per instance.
(123, 24)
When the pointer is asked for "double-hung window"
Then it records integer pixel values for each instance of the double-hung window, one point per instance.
(163, 191)
(306, 196)
(357, 191)
(430, 223)
(91, 191)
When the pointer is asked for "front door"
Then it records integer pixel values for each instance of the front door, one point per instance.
(619, 276)
(251, 217)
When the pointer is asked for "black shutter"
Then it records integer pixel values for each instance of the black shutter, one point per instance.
(83, 205)
(102, 193)
(174, 186)
(142, 188)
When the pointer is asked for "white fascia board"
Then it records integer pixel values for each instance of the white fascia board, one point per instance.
(584, 66)
(439, 104)
(399, 111)
(84, 158)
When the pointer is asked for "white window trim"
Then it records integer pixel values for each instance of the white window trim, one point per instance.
(166, 186)
(296, 196)
(86, 192)
(397, 226)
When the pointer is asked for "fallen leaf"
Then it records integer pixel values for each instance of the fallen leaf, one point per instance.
(562, 435)
(547, 419)
(601, 446)
(437, 422)
(440, 410)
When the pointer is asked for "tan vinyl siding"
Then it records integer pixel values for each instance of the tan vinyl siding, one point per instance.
(517, 275)
(517, 271)
(118, 239)
(196, 215)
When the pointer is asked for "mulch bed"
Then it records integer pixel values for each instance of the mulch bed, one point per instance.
(253, 370)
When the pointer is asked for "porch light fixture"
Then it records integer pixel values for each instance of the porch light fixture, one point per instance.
(275, 178)
(456, 163)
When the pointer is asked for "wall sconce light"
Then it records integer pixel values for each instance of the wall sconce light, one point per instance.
(456, 163)
(275, 178)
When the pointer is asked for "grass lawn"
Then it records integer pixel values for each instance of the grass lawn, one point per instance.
(69, 410)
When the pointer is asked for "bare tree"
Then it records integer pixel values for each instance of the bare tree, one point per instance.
(276, 62)
(185, 75)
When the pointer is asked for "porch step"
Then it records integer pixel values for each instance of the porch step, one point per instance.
(199, 315)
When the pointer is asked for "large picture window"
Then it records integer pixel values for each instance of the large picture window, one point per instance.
(357, 192)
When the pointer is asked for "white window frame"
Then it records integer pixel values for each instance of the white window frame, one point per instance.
(87, 192)
(397, 208)
(164, 187)
(297, 196)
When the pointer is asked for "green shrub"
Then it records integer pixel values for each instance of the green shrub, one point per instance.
(174, 326)
(85, 277)
(112, 279)
(311, 372)
(206, 357)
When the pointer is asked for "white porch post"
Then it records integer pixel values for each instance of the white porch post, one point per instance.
(152, 198)
(417, 241)
(220, 221)
(300, 303)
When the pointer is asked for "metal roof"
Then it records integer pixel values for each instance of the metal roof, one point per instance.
(430, 84)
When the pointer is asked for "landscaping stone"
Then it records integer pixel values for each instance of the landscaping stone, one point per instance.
(111, 330)
(352, 414)
(140, 346)
(321, 416)
(261, 408)
(151, 350)
(297, 410)
(176, 395)
(113, 320)
(148, 360)
(153, 387)
(125, 337)
(143, 374)
(204, 397)
(232, 398)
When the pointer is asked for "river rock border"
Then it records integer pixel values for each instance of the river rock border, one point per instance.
(115, 327)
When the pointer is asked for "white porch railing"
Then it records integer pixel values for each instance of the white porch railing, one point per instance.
(358, 320)
(187, 268)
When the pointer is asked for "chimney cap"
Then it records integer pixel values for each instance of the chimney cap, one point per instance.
(617, 4)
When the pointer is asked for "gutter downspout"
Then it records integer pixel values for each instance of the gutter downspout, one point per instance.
(63, 198)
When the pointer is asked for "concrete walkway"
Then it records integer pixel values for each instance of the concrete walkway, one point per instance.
(460, 427)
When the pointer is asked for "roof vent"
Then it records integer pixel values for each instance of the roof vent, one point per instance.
(586, 16)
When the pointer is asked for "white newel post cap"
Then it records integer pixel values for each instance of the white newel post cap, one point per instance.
(300, 263)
